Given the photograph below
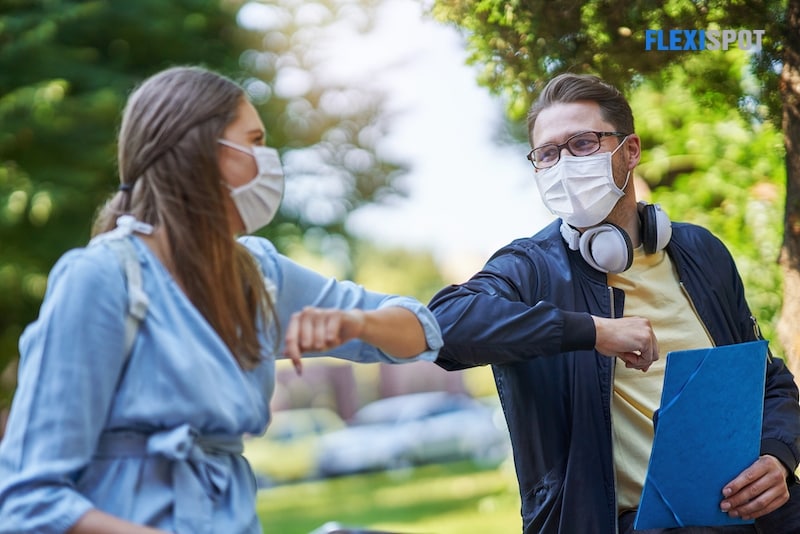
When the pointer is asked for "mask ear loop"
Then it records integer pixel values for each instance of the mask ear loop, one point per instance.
(627, 176)
(620, 144)
(236, 146)
(627, 179)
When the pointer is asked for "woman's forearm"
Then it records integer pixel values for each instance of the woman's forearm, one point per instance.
(394, 330)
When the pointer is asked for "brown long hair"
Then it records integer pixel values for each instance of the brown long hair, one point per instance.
(170, 178)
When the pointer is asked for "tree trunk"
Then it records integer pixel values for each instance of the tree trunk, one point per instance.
(789, 324)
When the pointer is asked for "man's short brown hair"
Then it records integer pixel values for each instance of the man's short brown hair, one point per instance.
(566, 88)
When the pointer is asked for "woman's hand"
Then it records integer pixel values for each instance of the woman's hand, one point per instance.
(318, 330)
(395, 330)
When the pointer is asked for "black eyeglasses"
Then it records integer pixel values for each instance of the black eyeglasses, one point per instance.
(580, 144)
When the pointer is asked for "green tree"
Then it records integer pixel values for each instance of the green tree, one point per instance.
(716, 168)
(522, 44)
(66, 68)
(331, 127)
(398, 271)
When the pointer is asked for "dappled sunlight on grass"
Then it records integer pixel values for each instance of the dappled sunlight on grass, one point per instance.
(440, 499)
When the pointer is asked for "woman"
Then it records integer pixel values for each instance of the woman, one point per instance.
(107, 436)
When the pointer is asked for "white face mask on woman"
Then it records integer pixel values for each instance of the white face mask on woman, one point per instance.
(581, 190)
(257, 201)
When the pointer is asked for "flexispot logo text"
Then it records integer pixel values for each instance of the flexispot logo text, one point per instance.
(702, 39)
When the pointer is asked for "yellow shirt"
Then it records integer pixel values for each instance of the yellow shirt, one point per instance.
(652, 291)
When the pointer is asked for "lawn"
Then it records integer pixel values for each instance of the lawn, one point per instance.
(437, 499)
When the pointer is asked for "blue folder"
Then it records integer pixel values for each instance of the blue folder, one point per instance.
(707, 431)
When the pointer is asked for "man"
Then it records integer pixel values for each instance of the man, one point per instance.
(571, 317)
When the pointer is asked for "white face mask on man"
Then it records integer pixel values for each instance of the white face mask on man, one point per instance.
(581, 189)
(258, 200)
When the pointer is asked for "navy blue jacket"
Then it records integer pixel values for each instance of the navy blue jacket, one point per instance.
(528, 314)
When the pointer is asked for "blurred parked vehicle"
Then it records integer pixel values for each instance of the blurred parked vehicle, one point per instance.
(333, 527)
(287, 452)
(415, 429)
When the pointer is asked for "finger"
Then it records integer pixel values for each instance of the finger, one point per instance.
(732, 490)
(635, 361)
(763, 503)
(631, 362)
(306, 335)
(770, 507)
(653, 349)
(650, 356)
(761, 506)
(297, 362)
(751, 497)
(332, 328)
(649, 350)
(319, 330)
(291, 349)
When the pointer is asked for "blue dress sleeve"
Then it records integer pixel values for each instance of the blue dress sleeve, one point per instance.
(296, 287)
(70, 360)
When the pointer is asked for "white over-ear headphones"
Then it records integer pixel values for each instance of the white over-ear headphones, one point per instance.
(608, 248)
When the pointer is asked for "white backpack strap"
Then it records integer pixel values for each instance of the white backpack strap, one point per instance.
(137, 299)
(119, 241)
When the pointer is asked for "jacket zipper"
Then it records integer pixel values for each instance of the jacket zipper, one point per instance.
(611, 418)
(757, 332)
(756, 328)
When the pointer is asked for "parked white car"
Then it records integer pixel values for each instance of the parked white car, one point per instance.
(416, 429)
(288, 450)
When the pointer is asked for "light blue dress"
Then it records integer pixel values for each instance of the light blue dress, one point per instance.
(157, 442)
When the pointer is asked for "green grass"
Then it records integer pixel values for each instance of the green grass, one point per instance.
(437, 499)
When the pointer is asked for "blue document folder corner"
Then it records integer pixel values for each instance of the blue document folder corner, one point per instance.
(707, 431)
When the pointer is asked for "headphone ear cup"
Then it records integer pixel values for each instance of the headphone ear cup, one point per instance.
(656, 227)
(607, 248)
(664, 228)
(647, 218)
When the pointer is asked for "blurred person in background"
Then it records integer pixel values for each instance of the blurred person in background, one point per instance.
(570, 318)
(143, 433)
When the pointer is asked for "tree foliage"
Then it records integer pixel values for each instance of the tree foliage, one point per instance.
(331, 125)
(522, 44)
(710, 165)
(66, 68)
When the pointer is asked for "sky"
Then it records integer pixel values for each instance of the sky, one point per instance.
(467, 195)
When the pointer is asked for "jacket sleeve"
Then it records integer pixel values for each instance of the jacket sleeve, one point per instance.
(496, 317)
(780, 434)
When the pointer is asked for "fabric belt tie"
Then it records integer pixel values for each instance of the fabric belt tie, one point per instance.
(199, 464)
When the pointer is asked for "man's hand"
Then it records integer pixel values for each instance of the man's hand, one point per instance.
(630, 338)
(758, 490)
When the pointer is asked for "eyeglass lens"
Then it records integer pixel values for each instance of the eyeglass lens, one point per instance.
(582, 144)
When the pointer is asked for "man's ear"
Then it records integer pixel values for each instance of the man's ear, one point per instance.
(634, 148)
